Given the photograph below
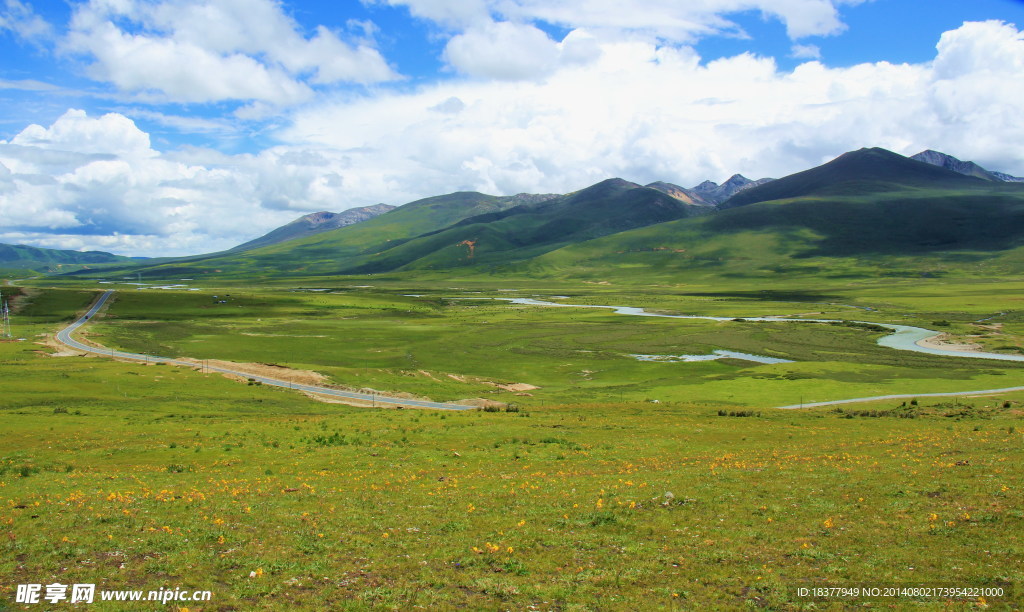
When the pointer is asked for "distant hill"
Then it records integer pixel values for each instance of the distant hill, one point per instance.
(968, 168)
(864, 213)
(867, 213)
(337, 249)
(525, 231)
(855, 173)
(315, 223)
(22, 257)
(454, 230)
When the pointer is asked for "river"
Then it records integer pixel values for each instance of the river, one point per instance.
(903, 338)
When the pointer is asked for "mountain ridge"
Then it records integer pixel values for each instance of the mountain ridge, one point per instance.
(968, 168)
(864, 171)
(815, 211)
(314, 223)
(21, 256)
(527, 230)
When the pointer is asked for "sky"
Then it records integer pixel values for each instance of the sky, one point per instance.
(177, 127)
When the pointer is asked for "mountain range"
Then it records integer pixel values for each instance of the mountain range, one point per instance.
(865, 211)
(707, 193)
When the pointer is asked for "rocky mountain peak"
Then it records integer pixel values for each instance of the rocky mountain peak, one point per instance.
(315, 219)
(716, 194)
(969, 168)
(737, 180)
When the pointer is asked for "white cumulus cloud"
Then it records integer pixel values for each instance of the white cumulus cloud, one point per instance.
(19, 18)
(649, 112)
(502, 50)
(510, 51)
(501, 39)
(215, 50)
(97, 183)
(110, 134)
(631, 107)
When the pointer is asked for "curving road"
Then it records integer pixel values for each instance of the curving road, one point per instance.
(65, 337)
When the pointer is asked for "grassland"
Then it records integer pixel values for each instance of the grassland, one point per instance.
(135, 476)
(453, 343)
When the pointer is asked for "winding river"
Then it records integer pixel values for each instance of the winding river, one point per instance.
(903, 338)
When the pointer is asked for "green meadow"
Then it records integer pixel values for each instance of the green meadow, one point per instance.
(583, 493)
(457, 341)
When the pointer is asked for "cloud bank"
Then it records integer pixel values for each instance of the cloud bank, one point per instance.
(565, 114)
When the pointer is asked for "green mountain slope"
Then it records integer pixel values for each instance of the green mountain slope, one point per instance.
(526, 231)
(460, 229)
(864, 216)
(866, 213)
(22, 257)
(866, 171)
(312, 224)
(331, 252)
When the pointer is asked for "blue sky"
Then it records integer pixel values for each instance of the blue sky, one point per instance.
(150, 127)
(896, 31)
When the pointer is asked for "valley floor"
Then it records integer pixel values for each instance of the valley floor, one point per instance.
(578, 494)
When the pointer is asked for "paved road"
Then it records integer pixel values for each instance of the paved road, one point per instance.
(65, 337)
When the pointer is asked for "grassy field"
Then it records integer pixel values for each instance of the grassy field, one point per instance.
(140, 477)
(456, 342)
